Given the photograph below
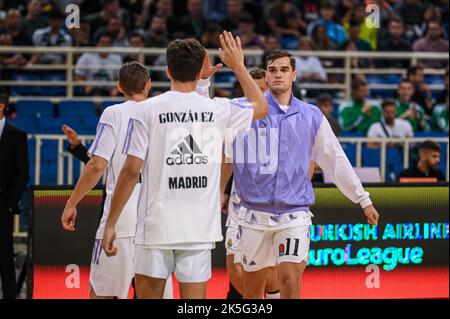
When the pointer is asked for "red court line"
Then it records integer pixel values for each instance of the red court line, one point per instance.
(318, 283)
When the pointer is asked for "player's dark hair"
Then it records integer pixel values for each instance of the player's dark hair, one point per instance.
(430, 146)
(185, 59)
(257, 74)
(279, 54)
(133, 76)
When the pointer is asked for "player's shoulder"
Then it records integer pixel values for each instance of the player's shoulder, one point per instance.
(308, 108)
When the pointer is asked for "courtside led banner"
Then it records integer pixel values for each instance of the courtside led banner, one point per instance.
(409, 247)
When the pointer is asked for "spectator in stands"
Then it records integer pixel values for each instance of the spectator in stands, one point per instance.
(273, 42)
(235, 8)
(389, 125)
(408, 109)
(116, 29)
(157, 36)
(34, 18)
(394, 41)
(81, 36)
(432, 42)
(320, 40)
(335, 31)
(194, 23)
(440, 117)
(246, 31)
(432, 13)
(422, 92)
(52, 36)
(358, 114)
(354, 32)
(325, 104)
(309, 69)
(137, 40)
(14, 35)
(110, 9)
(284, 18)
(366, 32)
(210, 38)
(309, 10)
(428, 163)
(215, 10)
(412, 13)
(164, 8)
(249, 38)
(99, 67)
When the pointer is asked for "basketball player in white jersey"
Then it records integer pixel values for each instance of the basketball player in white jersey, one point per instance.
(111, 277)
(177, 140)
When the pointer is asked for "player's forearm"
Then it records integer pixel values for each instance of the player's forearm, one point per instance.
(87, 181)
(252, 92)
(124, 188)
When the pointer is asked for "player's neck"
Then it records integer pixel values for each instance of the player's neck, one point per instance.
(283, 98)
(183, 87)
(136, 97)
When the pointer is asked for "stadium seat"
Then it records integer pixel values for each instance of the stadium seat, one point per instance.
(27, 124)
(53, 125)
(34, 109)
(77, 109)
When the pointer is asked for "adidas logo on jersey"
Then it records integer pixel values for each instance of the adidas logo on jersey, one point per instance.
(187, 153)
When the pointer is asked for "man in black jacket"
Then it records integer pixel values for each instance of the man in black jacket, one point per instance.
(13, 180)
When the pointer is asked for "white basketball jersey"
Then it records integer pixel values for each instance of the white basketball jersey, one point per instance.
(180, 138)
(108, 144)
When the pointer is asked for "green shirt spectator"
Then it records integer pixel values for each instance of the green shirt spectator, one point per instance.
(358, 114)
(410, 110)
(440, 118)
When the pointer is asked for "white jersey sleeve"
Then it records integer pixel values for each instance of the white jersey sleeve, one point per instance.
(241, 117)
(327, 152)
(137, 140)
(105, 141)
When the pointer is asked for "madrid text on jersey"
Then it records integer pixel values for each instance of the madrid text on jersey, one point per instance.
(186, 117)
(188, 182)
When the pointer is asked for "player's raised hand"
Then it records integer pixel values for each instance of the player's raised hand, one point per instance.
(231, 52)
(372, 215)
(71, 135)
(109, 236)
(207, 69)
(68, 218)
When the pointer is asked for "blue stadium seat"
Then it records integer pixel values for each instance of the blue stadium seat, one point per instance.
(55, 90)
(89, 125)
(53, 125)
(26, 90)
(350, 151)
(77, 109)
(27, 124)
(34, 109)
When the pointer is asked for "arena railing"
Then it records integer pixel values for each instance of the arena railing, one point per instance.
(346, 71)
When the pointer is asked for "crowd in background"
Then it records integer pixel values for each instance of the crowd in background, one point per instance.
(306, 25)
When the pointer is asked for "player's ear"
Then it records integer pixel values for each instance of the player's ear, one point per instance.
(148, 85)
(119, 88)
(294, 76)
(168, 73)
